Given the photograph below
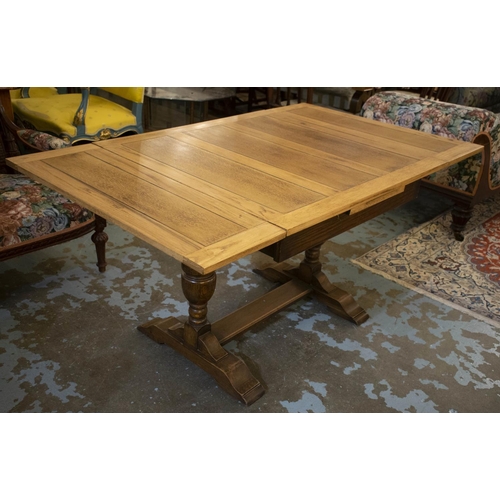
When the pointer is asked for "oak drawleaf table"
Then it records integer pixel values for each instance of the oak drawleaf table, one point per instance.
(281, 181)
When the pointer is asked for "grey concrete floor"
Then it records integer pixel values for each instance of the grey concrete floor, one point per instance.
(69, 343)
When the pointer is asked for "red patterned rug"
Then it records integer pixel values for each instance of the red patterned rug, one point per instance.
(484, 249)
(464, 275)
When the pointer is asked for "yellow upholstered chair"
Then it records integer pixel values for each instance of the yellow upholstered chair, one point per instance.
(93, 114)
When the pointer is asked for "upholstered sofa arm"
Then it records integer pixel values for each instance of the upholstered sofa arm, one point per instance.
(446, 120)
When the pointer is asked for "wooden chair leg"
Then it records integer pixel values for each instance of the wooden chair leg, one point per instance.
(100, 238)
(461, 213)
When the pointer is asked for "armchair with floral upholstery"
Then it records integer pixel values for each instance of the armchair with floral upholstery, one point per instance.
(93, 114)
(468, 181)
(33, 216)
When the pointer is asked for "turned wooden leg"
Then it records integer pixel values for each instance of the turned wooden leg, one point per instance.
(309, 272)
(336, 299)
(460, 216)
(310, 266)
(195, 340)
(100, 238)
(198, 290)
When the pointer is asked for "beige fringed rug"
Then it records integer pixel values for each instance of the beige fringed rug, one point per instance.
(427, 259)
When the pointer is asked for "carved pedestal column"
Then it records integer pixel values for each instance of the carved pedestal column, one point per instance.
(195, 340)
(198, 290)
(309, 272)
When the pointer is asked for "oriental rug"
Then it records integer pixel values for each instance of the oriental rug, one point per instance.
(427, 259)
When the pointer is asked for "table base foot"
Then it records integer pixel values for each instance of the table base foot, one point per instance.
(230, 372)
(342, 304)
(337, 300)
(202, 343)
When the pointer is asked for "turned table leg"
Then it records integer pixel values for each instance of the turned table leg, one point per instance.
(198, 290)
(202, 342)
(309, 272)
(195, 340)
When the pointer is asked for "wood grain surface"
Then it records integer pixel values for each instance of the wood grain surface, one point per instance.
(210, 193)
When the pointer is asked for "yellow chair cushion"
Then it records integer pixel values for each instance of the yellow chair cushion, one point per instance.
(55, 114)
(134, 94)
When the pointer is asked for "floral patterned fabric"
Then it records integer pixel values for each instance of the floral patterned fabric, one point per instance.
(446, 120)
(41, 140)
(29, 210)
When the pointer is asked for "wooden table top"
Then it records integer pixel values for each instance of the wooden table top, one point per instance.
(210, 193)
